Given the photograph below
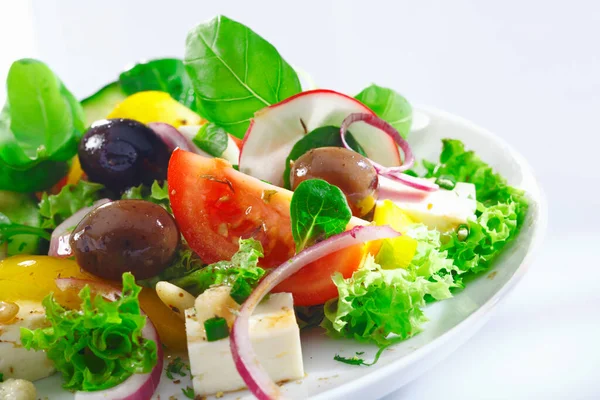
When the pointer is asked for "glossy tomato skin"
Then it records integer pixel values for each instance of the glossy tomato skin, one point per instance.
(215, 205)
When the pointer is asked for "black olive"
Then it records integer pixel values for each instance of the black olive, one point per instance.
(346, 169)
(125, 236)
(121, 153)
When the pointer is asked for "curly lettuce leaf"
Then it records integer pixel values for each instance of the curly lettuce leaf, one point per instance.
(375, 303)
(465, 166)
(99, 346)
(157, 193)
(493, 229)
(186, 262)
(56, 208)
(242, 273)
(500, 211)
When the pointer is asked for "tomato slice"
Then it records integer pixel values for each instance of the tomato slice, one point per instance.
(215, 205)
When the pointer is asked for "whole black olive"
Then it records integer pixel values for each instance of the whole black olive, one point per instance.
(346, 169)
(125, 236)
(120, 153)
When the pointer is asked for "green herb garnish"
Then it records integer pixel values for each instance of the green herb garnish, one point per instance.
(318, 210)
(446, 182)
(235, 72)
(188, 392)
(176, 366)
(98, 346)
(216, 329)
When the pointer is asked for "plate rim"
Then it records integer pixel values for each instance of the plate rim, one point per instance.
(485, 311)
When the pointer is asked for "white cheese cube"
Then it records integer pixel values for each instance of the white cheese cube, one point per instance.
(16, 361)
(275, 338)
(443, 209)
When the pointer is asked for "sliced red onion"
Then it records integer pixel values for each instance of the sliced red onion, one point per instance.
(137, 386)
(395, 173)
(59, 241)
(246, 362)
(173, 138)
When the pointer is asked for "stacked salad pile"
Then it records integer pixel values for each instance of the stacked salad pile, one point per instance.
(187, 197)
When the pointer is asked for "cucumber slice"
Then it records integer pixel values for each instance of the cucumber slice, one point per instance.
(22, 209)
(101, 103)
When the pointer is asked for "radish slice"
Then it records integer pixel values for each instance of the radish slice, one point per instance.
(395, 173)
(59, 240)
(137, 386)
(173, 138)
(275, 129)
(246, 362)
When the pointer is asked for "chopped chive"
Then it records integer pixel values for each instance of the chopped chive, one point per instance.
(216, 329)
(240, 291)
(446, 182)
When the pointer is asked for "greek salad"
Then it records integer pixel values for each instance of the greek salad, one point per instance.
(211, 206)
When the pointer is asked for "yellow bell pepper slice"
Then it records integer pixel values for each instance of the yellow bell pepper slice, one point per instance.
(155, 106)
(397, 252)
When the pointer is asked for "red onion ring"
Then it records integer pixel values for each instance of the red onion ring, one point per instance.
(395, 173)
(173, 138)
(246, 362)
(59, 240)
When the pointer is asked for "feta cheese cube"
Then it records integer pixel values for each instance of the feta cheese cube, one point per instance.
(443, 209)
(275, 338)
(16, 361)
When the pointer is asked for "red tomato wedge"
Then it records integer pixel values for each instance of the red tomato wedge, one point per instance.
(215, 205)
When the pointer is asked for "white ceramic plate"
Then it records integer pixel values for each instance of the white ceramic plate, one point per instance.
(452, 322)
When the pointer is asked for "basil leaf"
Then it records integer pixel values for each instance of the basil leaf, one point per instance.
(235, 72)
(41, 123)
(389, 105)
(166, 75)
(326, 136)
(41, 120)
(318, 210)
(212, 139)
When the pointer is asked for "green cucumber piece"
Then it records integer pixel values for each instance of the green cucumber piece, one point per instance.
(101, 103)
(21, 208)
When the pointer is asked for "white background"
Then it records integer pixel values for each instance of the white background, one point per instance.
(527, 70)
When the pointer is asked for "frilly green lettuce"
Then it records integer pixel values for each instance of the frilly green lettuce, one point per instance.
(99, 346)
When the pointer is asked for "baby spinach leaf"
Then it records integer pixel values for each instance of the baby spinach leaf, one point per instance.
(41, 121)
(389, 105)
(326, 136)
(235, 72)
(212, 139)
(166, 75)
(318, 210)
